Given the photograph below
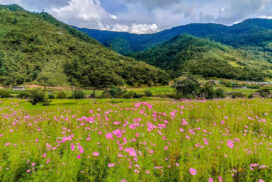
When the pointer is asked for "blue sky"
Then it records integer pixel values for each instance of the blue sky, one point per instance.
(148, 16)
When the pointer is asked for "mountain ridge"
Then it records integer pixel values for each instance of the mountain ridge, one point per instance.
(241, 35)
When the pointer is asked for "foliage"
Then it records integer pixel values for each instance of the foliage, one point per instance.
(187, 88)
(4, 93)
(208, 92)
(253, 35)
(235, 95)
(61, 95)
(148, 93)
(186, 54)
(113, 92)
(23, 94)
(78, 94)
(265, 92)
(220, 93)
(38, 96)
(37, 48)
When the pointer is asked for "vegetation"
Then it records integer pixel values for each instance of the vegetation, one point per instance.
(160, 140)
(186, 54)
(38, 96)
(36, 48)
(252, 34)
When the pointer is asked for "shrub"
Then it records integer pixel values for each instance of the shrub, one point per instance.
(235, 95)
(23, 95)
(113, 92)
(51, 96)
(4, 93)
(188, 88)
(130, 95)
(220, 93)
(208, 92)
(148, 93)
(61, 95)
(78, 94)
(265, 92)
(38, 96)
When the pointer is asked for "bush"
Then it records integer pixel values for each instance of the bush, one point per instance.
(113, 92)
(207, 92)
(188, 88)
(4, 93)
(78, 94)
(38, 96)
(265, 92)
(235, 95)
(51, 96)
(148, 93)
(23, 95)
(220, 93)
(61, 95)
(130, 95)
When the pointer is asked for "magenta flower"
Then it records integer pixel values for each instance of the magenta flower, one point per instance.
(230, 144)
(109, 136)
(192, 171)
(111, 165)
(96, 154)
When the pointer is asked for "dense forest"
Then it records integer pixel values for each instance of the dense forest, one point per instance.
(37, 48)
(187, 54)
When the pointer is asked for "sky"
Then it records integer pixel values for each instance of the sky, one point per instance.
(147, 16)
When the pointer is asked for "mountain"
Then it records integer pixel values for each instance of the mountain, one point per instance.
(252, 34)
(37, 48)
(188, 54)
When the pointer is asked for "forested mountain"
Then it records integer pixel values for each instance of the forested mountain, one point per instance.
(37, 48)
(188, 54)
(252, 34)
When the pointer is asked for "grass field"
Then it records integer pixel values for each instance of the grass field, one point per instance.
(136, 140)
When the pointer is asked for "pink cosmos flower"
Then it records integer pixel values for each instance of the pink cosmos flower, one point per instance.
(210, 180)
(109, 136)
(117, 133)
(72, 147)
(220, 178)
(230, 144)
(81, 150)
(96, 154)
(78, 156)
(111, 165)
(192, 171)
(260, 180)
(205, 141)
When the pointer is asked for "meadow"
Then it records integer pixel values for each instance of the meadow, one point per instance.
(136, 140)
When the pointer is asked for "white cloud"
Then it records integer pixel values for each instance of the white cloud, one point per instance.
(134, 28)
(83, 13)
(147, 16)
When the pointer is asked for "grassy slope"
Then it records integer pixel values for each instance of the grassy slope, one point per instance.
(187, 53)
(37, 48)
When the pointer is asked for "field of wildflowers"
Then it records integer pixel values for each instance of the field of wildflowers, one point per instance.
(159, 140)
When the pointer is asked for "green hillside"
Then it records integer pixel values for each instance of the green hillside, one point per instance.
(37, 48)
(188, 54)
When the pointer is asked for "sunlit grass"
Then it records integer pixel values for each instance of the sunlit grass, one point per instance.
(136, 140)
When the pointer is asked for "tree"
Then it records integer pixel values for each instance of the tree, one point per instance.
(188, 88)
(38, 96)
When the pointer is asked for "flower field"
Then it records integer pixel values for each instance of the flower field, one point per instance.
(219, 140)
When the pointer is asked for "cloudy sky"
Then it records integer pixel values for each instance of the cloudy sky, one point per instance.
(147, 16)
